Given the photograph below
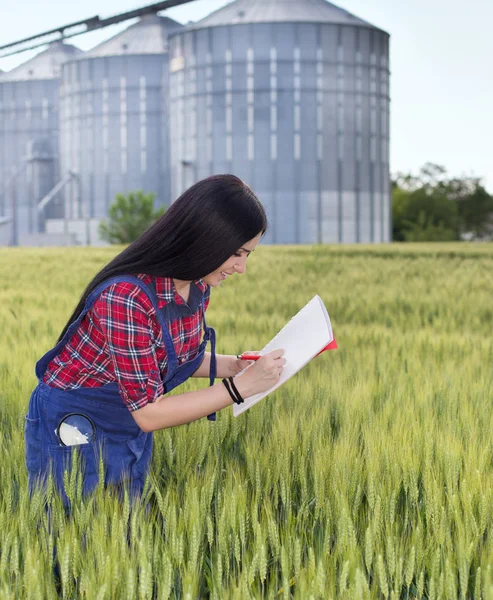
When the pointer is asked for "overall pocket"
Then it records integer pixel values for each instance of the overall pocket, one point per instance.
(32, 441)
(140, 453)
(86, 464)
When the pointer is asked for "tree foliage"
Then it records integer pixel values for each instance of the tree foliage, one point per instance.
(434, 207)
(129, 216)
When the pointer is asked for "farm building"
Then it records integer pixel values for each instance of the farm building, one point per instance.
(291, 96)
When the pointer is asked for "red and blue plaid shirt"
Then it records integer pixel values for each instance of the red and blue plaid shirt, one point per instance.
(120, 340)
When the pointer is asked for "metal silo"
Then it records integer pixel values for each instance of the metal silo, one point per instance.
(29, 97)
(293, 97)
(113, 118)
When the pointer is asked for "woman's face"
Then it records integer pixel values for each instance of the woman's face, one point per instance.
(235, 264)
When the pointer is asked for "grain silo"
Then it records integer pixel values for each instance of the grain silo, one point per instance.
(114, 118)
(293, 97)
(29, 96)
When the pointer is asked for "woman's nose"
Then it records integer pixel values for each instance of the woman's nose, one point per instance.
(240, 267)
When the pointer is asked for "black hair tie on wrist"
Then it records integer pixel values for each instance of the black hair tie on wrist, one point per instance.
(235, 389)
(226, 385)
(235, 396)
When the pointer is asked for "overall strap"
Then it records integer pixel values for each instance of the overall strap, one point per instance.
(203, 315)
(168, 340)
(210, 334)
(42, 364)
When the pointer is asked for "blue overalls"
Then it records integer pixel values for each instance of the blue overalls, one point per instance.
(126, 448)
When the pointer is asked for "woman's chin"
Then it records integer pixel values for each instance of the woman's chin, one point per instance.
(213, 280)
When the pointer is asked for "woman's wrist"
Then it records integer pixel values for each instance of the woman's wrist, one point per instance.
(233, 366)
(230, 366)
(243, 387)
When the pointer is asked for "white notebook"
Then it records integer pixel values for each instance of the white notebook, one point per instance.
(302, 338)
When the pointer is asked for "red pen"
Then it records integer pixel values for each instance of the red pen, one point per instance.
(246, 356)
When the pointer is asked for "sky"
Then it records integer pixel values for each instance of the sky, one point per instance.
(441, 61)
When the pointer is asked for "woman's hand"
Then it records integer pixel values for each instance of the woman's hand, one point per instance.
(239, 365)
(262, 374)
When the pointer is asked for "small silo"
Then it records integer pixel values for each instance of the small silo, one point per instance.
(293, 97)
(29, 99)
(114, 118)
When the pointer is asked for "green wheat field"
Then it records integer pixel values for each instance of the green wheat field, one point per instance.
(368, 475)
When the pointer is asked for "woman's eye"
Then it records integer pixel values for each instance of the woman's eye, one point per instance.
(236, 254)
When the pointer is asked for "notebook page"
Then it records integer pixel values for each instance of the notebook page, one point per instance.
(302, 338)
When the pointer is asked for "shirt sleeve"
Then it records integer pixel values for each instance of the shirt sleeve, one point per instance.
(124, 315)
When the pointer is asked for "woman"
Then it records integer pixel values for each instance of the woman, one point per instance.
(136, 334)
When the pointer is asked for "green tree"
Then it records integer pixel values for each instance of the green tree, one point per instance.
(434, 207)
(426, 230)
(422, 215)
(129, 216)
(476, 213)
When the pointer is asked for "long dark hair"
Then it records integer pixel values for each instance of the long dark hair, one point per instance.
(196, 235)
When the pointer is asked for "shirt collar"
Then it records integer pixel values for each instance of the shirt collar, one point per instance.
(166, 291)
(201, 284)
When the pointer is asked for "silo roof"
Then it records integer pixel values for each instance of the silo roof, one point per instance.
(280, 11)
(148, 36)
(45, 65)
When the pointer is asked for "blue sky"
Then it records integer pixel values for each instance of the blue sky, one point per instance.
(441, 60)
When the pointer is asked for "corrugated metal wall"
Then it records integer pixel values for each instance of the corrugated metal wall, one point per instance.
(28, 113)
(29, 133)
(300, 111)
(114, 129)
(114, 118)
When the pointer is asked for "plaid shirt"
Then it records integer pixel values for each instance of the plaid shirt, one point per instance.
(120, 340)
